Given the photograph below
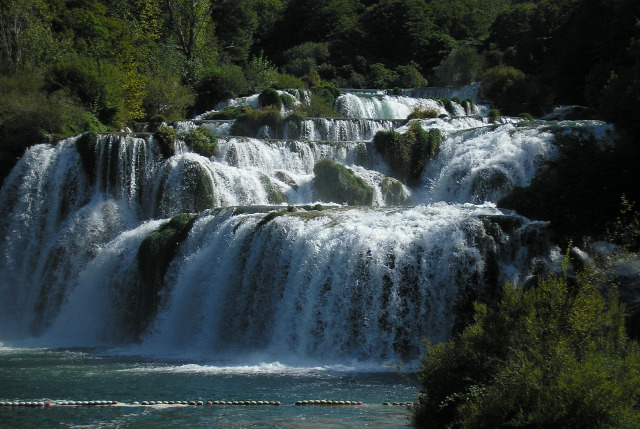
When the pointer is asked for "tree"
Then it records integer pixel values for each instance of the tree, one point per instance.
(192, 26)
(553, 355)
(25, 34)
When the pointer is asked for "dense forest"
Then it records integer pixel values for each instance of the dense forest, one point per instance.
(74, 66)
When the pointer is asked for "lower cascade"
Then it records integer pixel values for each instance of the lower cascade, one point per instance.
(122, 245)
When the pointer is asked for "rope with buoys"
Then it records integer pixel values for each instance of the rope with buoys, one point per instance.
(327, 402)
(185, 403)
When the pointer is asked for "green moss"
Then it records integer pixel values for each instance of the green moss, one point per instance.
(469, 104)
(336, 183)
(408, 153)
(87, 147)
(166, 138)
(448, 105)
(526, 116)
(201, 141)
(270, 216)
(155, 254)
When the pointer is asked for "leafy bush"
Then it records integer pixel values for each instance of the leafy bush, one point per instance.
(201, 141)
(461, 67)
(156, 121)
(526, 116)
(286, 81)
(227, 81)
(381, 77)
(270, 97)
(596, 172)
(512, 91)
(555, 355)
(408, 153)
(408, 76)
(260, 73)
(336, 183)
(166, 137)
(249, 122)
(494, 115)
(424, 113)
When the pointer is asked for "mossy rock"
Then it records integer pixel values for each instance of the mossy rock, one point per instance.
(336, 183)
(87, 147)
(155, 254)
(274, 194)
(393, 192)
(166, 138)
(283, 176)
(194, 193)
(408, 153)
(201, 141)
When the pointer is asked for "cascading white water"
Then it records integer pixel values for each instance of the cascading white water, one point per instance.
(345, 283)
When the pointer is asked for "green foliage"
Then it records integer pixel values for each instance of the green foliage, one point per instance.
(409, 76)
(381, 77)
(218, 84)
(286, 81)
(512, 91)
(423, 113)
(462, 66)
(408, 153)
(270, 97)
(625, 229)
(336, 183)
(249, 122)
(155, 254)
(166, 95)
(555, 355)
(301, 59)
(155, 122)
(526, 116)
(166, 138)
(98, 86)
(448, 105)
(494, 116)
(260, 73)
(595, 172)
(201, 141)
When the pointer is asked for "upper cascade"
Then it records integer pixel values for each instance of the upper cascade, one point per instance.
(272, 259)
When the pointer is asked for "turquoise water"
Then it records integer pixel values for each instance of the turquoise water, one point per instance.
(91, 375)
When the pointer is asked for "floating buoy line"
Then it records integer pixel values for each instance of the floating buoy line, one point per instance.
(48, 404)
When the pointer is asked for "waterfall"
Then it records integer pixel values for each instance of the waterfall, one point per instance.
(265, 265)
